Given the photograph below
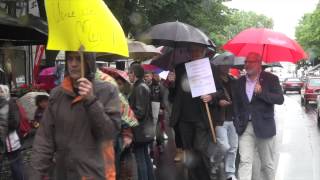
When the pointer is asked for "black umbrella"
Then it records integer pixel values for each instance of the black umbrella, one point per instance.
(171, 57)
(26, 30)
(176, 34)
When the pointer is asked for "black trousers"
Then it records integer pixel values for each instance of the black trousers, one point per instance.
(195, 138)
(177, 136)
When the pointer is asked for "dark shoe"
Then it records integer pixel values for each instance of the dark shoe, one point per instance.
(232, 178)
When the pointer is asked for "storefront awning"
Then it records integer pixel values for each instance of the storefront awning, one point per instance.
(26, 30)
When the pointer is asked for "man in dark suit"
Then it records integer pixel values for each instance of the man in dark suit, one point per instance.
(258, 92)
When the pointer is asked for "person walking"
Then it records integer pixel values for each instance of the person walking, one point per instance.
(258, 92)
(157, 98)
(227, 137)
(144, 133)
(9, 110)
(83, 113)
(189, 114)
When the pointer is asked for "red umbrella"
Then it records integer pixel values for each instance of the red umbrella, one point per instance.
(48, 71)
(273, 46)
(152, 68)
(47, 78)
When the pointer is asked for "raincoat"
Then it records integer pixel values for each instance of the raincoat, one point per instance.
(75, 132)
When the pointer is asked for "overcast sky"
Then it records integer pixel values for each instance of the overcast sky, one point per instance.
(285, 13)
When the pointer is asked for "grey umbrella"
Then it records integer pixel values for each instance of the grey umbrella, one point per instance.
(138, 51)
(225, 58)
(228, 58)
(175, 34)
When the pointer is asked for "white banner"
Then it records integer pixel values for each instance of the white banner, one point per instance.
(200, 77)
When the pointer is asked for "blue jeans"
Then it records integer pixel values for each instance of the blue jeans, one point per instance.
(227, 139)
(145, 168)
(16, 165)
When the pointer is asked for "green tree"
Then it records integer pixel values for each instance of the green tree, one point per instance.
(239, 21)
(137, 15)
(308, 34)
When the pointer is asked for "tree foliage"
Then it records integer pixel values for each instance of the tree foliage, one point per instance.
(137, 15)
(214, 18)
(241, 20)
(308, 34)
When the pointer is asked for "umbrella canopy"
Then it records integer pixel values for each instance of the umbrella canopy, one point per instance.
(46, 79)
(238, 62)
(273, 46)
(225, 58)
(176, 34)
(140, 51)
(152, 68)
(28, 103)
(115, 73)
(137, 51)
(171, 57)
(50, 71)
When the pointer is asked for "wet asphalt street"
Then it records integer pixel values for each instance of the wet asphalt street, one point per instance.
(298, 140)
(298, 145)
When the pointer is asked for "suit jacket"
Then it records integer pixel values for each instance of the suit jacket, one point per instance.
(261, 106)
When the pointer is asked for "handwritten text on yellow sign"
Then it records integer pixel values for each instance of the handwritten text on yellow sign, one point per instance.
(86, 22)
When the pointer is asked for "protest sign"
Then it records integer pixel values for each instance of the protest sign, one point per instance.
(89, 23)
(200, 77)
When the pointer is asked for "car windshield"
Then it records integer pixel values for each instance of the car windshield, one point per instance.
(293, 80)
(314, 82)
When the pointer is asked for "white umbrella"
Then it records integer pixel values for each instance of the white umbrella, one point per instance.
(28, 103)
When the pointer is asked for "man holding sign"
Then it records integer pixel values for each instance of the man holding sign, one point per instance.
(189, 114)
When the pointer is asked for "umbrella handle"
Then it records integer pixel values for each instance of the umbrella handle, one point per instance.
(213, 133)
(81, 49)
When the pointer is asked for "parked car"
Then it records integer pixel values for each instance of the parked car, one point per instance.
(292, 84)
(318, 111)
(310, 90)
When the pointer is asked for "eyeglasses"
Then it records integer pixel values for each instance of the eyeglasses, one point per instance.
(251, 62)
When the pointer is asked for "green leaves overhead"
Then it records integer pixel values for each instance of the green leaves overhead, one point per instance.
(211, 16)
(308, 34)
(239, 21)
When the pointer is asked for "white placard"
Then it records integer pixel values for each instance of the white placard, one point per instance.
(200, 77)
(164, 74)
